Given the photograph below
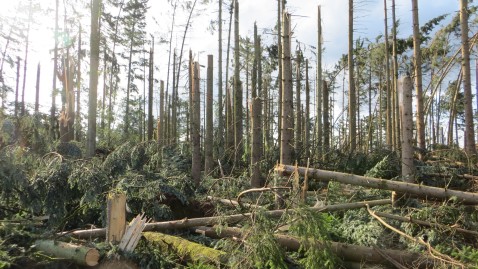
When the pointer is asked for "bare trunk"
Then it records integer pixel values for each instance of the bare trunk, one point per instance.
(17, 87)
(418, 78)
(195, 126)
(209, 140)
(150, 93)
(307, 111)
(470, 146)
(298, 114)
(25, 60)
(279, 75)
(238, 117)
(319, 84)
(287, 142)
(220, 109)
(94, 62)
(128, 85)
(78, 91)
(325, 91)
(37, 90)
(256, 150)
(388, 87)
(160, 128)
(352, 93)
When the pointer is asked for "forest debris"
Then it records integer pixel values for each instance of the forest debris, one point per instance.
(433, 252)
(398, 186)
(189, 223)
(442, 227)
(230, 202)
(344, 251)
(80, 254)
(133, 233)
(186, 250)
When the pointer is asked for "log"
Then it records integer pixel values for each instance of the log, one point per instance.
(189, 223)
(426, 223)
(186, 250)
(417, 190)
(346, 252)
(79, 254)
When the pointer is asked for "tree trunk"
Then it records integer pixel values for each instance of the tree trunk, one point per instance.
(160, 128)
(186, 250)
(325, 90)
(298, 114)
(128, 84)
(78, 91)
(230, 219)
(55, 67)
(229, 112)
(17, 87)
(418, 79)
(25, 60)
(279, 75)
(346, 252)
(394, 103)
(37, 90)
(195, 126)
(256, 149)
(352, 93)
(220, 109)
(209, 140)
(307, 111)
(389, 120)
(94, 62)
(417, 190)
(319, 89)
(150, 92)
(169, 56)
(470, 146)
(79, 254)
(238, 117)
(287, 142)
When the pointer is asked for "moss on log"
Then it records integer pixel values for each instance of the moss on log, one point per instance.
(186, 250)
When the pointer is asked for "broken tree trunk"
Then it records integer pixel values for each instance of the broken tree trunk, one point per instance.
(344, 251)
(417, 190)
(80, 254)
(188, 223)
(186, 250)
(116, 217)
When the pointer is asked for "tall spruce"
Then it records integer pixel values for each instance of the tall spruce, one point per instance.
(238, 113)
(256, 145)
(209, 140)
(94, 63)
(352, 91)
(420, 118)
(287, 142)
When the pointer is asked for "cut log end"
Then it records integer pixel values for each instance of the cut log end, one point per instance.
(92, 257)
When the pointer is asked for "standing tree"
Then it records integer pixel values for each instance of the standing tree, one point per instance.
(238, 132)
(470, 147)
(319, 83)
(220, 109)
(418, 78)
(94, 63)
(256, 145)
(196, 125)
(208, 142)
(298, 113)
(352, 93)
(150, 91)
(286, 145)
(55, 67)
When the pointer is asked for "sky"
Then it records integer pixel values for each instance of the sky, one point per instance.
(369, 19)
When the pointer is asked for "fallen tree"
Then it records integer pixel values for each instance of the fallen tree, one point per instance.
(416, 190)
(207, 221)
(346, 252)
(186, 250)
(79, 254)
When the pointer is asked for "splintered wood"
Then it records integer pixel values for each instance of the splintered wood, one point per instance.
(133, 233)
(116, 217)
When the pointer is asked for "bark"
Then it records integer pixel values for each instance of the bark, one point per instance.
(186, 250)
(195, 126)
(417, 190)
(319, 89)
(389, 91)
(160, 128)
(326, 117)
(279, 75)
(94, 62)
(298, 114)
(470, 146)
(418, 79)
(307, 111)
(80, 254)
(408, 168)
(286, 146)
(37, 90)
(55, 67)
(128, 83)
(347, 252)
(17, 87)
(25, 60)
(352, 93)
(78, 91)
(229, 112)
(394, 103)
(238, 117)
(220, 108)
(256, 150)
(230, 219)
(150, 92)
(209, 142)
